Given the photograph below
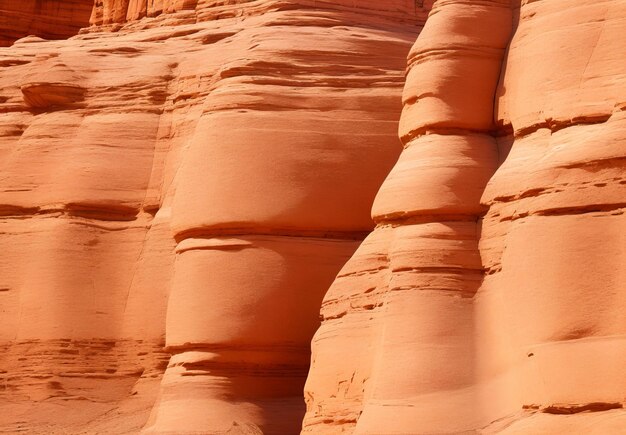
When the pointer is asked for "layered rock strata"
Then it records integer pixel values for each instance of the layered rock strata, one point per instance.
(181, 182)
(213, 165)
(552, 242)
(487, 301)
(49, 19)
(402, 306)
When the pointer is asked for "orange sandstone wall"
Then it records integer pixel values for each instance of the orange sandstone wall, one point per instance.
(176, 197)
(395, 351)
(490, 296)
(50, 19)
(181, 183)
(552, 241)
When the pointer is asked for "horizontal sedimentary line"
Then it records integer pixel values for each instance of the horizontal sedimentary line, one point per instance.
(210, 233)
(318, 6)
(593, 208)
(100, 343)
(433, 290)
(416, 218)
(566, 409)
(474, 3)
(444, 131)
(372, 307)
(220, 348)
(15, 107)
(529, 193)
(536, 192)
(608, 162)
(303, 80)
(250, 366)
(618, 208)
(454, 53)
(13, 61)
(443, 269)
(259, 371)
(555, 125)
(97, 213)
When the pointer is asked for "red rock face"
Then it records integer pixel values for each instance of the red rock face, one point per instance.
(50, 19)
(184, 183)
(488, 298)
(176, 197)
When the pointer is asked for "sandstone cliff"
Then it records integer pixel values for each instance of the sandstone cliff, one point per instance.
(177, 194)
(183, 183)
(491, 296)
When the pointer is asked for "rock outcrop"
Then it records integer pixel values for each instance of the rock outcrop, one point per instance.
(211, 164)
(488, 298)
(183, 183)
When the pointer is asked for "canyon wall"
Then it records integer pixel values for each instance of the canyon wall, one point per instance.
(491, 297)
(177, 193)
(50, 19)
(183, 183)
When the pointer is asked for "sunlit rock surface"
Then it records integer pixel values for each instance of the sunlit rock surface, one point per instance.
(184, 183)
(180, 183)
(491, 295)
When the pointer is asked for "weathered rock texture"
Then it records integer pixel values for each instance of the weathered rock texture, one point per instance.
(491, 295)
(50, 19)
(181, 182)
(177, 193)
